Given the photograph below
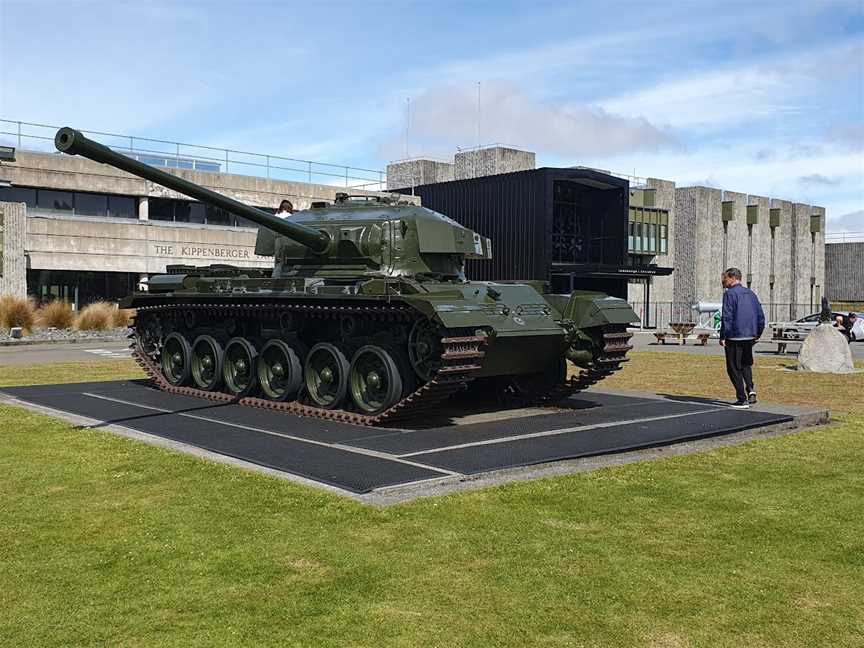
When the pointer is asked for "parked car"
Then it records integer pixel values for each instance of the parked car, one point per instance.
(800, 328)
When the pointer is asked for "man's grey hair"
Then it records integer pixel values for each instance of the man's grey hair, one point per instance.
(733, 273)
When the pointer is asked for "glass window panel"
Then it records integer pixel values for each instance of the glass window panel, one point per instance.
(652, 243)
(197, 212)
(216, 216)
(161, 209)
(18, 194)
(663, 238)
(630, 227)
(638, 235)
(122, 207)
(182, 211)
(87, 204)
(54, 200)
(184, 164)
(245, 222)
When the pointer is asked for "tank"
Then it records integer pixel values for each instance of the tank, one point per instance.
(366, 317)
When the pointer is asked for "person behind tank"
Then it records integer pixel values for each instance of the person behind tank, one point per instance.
(742, 323)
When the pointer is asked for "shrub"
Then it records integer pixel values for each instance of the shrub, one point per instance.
(98, 316)
(16, 311)
(57, 314)
(123, 317)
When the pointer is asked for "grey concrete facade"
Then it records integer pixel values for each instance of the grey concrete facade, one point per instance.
(844, 271)
(13, 233)
(413, 173)
(474, 163)
(492, 160)
(711, 230)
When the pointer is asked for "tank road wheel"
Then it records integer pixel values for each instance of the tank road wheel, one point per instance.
(537, 386)
(424, 348)
(239, 367)
(375, 381)
(207, 360)
(326, 375)
(279, 371)
(176, 359)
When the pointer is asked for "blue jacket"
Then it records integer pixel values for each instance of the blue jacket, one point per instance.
(742, 314)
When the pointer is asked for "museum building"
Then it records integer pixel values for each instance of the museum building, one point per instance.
(83, 231)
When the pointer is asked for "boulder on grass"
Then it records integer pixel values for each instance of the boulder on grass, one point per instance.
(825, 350)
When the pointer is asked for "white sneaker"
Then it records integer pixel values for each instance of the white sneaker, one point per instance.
(740, 405)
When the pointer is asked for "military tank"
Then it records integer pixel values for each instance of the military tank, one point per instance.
(366, 317)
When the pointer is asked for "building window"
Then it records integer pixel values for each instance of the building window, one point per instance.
(72, 203)
(648, 231)
(183, 211)
(54, 200)
(18, 195)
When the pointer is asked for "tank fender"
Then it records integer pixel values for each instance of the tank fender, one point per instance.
(588, 309)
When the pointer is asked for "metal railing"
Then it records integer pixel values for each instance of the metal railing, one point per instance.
(40, 138)
(659, 315)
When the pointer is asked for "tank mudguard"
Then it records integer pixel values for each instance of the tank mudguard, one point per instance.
(586, 309)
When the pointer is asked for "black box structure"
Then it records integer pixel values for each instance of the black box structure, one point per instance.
(566, 226)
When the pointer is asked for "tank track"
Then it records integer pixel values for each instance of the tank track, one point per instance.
(460, 361)
(616, 344)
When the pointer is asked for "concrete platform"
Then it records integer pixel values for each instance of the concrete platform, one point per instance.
(387, 465)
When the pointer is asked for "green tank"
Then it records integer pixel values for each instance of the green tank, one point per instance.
(366, 316)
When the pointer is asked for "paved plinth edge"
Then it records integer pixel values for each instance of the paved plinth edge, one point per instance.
(388, 465)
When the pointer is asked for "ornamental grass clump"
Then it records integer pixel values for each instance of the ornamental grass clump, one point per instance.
(16, 311)
(55, 314)
(98, 316)
(123, 317)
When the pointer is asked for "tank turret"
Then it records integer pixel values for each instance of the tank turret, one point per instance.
(367, 316)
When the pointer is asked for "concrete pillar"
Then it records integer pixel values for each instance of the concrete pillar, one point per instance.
(802, 251)
(414, 173)
(493, 160)
(13, 236)
(759, 256)
(782, 288)
(143, 208)
(819, 256)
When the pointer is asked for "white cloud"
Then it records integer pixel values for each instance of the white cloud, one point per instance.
(766, 89)
(851, 222)
(446, 117)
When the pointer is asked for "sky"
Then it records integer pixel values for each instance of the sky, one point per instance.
(765, 98)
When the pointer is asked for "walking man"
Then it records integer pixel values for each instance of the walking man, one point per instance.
(741, 325)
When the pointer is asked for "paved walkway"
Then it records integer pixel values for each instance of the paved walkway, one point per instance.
(645, 341)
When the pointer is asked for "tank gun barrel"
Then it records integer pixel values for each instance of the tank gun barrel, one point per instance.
(72, 142)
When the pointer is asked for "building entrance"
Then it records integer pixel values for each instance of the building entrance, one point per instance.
(79, 288)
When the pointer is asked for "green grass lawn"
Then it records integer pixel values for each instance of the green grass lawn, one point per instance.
(105, 541)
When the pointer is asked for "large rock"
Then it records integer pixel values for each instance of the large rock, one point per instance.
(825, 350)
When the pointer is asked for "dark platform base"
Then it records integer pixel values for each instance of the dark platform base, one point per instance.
(363, 459)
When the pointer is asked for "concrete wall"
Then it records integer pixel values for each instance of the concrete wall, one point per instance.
(13, 263)
(99, 244)
(492, 161)
(844, 271)
(413, 173)
(710, 234)
(783, 237)
(758, 265)
(74, 173)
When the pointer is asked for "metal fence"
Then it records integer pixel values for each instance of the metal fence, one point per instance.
(659, 315)
(40, 138)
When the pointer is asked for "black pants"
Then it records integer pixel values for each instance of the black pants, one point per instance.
(739, 366)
